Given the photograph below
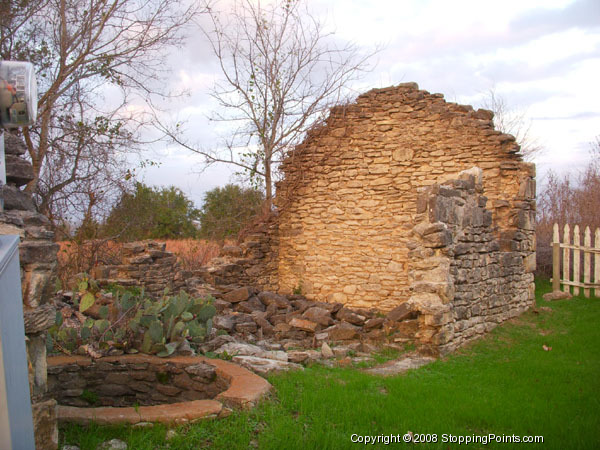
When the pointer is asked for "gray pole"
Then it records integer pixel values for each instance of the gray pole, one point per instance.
(16, 424)
(2, 169)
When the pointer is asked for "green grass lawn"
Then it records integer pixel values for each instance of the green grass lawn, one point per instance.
(504, 384)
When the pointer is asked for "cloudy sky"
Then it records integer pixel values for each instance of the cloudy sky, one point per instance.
(542, 57)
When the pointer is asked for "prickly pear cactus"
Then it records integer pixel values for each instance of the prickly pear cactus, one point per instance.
(141, 325)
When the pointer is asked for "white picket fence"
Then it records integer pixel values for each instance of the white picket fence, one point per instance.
(573, 255)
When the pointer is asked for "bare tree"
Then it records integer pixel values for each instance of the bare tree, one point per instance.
(83, 50)
(281, 72)
(571, 199)
(512, 121)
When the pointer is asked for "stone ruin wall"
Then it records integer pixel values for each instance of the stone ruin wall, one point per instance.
(144, 264)
(348, 201)
(149, 265)
(462, 281)
(130, 380)
(351, 197)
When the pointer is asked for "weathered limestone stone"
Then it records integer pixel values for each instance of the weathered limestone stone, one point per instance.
(14, 198)
(305, 325)
(557, 295)
(18, 171)
(234, 348)
(326, 351)
(350, 317)
(226, 323)
(13, 145)
(238, 295)
(45, 425)
(399, 313)
(263, 366)
(113, 444)
(342, 332)
(318, 315)
(376, 322)
(269, 298)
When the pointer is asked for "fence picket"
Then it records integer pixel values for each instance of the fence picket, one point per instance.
(578, 277)
(566, 258)
(587, 260)
(597, 262)
(576, 259)
(555, 259)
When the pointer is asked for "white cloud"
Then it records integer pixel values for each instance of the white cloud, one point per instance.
(541, 56)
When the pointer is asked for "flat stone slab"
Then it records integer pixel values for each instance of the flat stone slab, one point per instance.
(169, 413)
(245, 389)
(264, 366)
(557, 295)
(398, 366)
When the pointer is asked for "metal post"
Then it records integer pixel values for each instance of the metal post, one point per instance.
(2, 169)
(16, 423)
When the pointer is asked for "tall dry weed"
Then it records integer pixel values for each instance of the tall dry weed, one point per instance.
(193, 253)
(75, 256)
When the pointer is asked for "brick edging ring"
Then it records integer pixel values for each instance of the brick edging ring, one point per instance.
(245, 389)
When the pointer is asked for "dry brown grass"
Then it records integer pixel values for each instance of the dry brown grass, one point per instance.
(75, 257)
(193, 253)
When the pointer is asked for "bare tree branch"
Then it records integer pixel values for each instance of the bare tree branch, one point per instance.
(282, 72)
(512, 121)
(82, 49)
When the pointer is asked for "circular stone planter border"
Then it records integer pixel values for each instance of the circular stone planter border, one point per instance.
(245, 389)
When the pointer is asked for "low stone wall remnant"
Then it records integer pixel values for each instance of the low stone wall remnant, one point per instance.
(147, 264)
(132, 381)
(238, 388)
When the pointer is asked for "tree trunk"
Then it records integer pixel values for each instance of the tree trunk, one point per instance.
(268, 186)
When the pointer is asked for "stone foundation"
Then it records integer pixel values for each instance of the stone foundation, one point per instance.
(243, 390)
(129, 381)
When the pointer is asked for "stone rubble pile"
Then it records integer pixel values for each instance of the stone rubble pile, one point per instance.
(265, 331)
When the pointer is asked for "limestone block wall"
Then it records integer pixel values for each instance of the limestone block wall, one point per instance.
(462, 282)
(348, 201)
(147, 264)
(254, 262)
